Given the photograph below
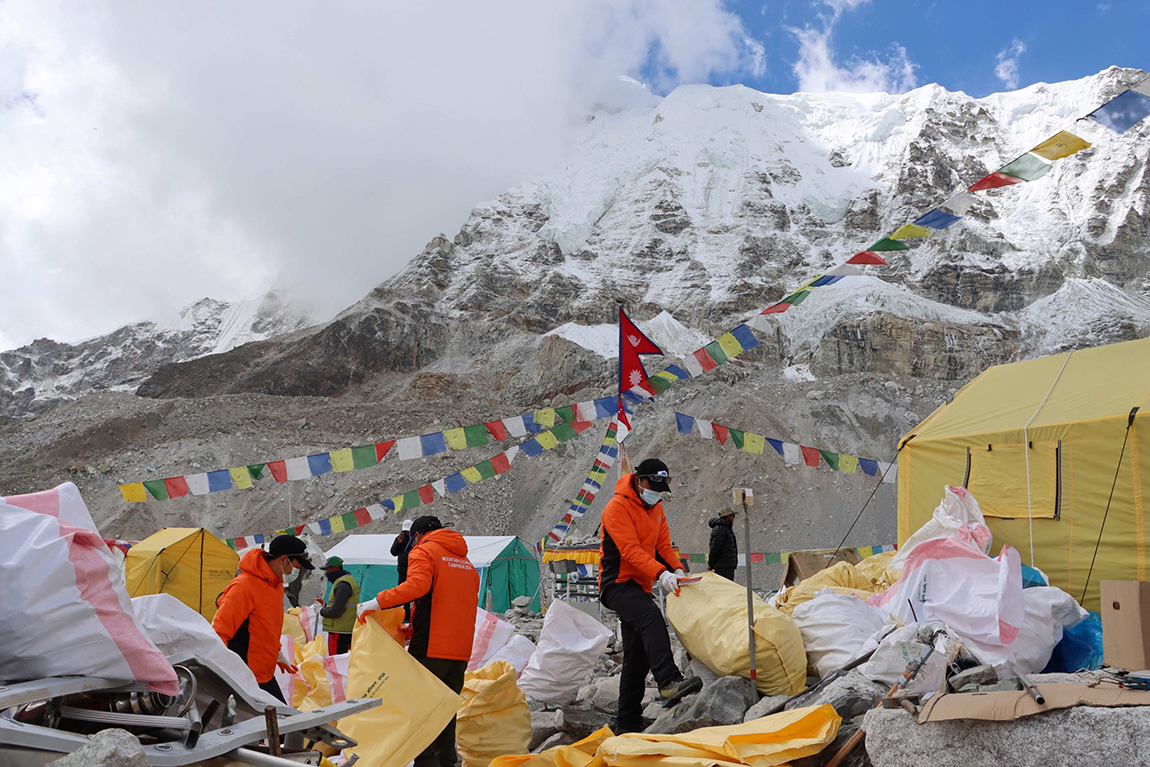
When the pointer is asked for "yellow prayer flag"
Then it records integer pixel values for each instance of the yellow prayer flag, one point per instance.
(753, 443)
(848, 463)
(665, 374)
(471, 474)
(341, 460)
(134, 492)
(545, 417)
(240, 478)
(910, 232)
(546, 439)
(456, 439)
(397, 502)
(1061, 144)
(730, 345)
(336, 524)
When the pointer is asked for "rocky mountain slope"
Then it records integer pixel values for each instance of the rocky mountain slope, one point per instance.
(693, 213)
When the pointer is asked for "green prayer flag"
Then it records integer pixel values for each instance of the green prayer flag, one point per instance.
(1028, 167)
(567, 413)
(660, 385)
(716, 352)
(887, 244)
(796, 298)
(363, 457)
(564, 432)
(411, 500)
(832, 459)
(157, 489)
(485, 469)
(773, 558)
(349, 520)
(476, 435)
(257, 470)
(737, 438)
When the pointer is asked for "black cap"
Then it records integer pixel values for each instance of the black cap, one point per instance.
(425, 525)
(289, 545)
(655, 472)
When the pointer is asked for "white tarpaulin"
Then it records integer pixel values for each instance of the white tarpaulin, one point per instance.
(361, 549)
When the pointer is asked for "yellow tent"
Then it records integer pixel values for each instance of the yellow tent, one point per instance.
(189, 563)
(1039, 443)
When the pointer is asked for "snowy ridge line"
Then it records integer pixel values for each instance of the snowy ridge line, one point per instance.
(792, 453)
(366, 456)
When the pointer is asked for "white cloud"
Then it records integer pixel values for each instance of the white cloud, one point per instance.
(156, 153)
(817, 69)
(1006, 63)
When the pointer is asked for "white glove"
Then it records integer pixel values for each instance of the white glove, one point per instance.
(669, 582)
(680, 574)
(371, 604)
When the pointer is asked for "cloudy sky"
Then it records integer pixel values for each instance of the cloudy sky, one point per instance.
(159, 152)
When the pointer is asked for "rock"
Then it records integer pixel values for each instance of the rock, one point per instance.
(107, 748)
(521, 603)
(851, 694)
(581, 722)
(723, 702)
(978, 675)
(1079, 736)
(606, 694)
(544, 724)
(761, 708)
(558, 739)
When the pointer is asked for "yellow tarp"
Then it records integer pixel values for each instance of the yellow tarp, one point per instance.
(710, 618)
(494, 719)
(1066, 415)
(842, 578)
(764, 742)
(189, 563)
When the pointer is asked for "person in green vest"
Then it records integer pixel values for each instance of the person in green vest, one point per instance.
(339, 612)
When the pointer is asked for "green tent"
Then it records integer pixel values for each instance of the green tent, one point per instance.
(507, 568)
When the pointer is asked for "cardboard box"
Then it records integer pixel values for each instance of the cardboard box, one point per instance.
(1006, 706)
(804, 564)
(1126, 624)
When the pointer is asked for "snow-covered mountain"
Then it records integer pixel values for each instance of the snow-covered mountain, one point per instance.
(44, 373)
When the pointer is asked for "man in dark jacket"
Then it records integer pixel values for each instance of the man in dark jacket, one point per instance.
(399, 549)
(724, 556)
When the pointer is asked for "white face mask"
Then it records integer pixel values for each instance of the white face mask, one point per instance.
(650, 497)
(287, 576)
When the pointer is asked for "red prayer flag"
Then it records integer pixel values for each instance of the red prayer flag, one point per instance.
(632, 343)
(866, 257)
(278, 470)
(176, 486)
(426, 494)
(580, 426)
(778, 308)
(500, 463)
(758, 558)
(381, 449)
(811, 455)
(241, 543)
(721, 432)
(705, 360)
(993, 181)
(362, 517)
(497, 429)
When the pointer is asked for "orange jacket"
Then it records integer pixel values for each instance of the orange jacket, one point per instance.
(445, 588)
(634, 542)
(253, 605)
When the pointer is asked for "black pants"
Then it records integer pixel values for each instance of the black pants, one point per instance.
(646, 646)
(728, 574)
(272, 687)
(441, 752)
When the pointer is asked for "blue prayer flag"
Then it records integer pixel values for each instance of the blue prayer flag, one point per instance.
(677, 371)
(529, 423)
(219, 480)
(455, 483)
(1122, 112)
(869, 466)
(433, 444)
(826, 279)
(745, 337)
(777, 444)
(320, 463)
(531, 447)
(936, 219)
(685, 423)
(606, 407)
(325, 527)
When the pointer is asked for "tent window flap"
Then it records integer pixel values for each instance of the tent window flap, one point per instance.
(997, 477)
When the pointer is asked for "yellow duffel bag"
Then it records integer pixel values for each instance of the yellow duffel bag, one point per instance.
(710, 618)
(494, 719)
(842, 578)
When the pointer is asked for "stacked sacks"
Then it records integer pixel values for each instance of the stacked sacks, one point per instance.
(710, 618)
(841, 578)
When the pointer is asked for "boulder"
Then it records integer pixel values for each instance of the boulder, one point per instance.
(544, 724)
(581, 722)
(723, 702)
(978, 675)
(851, 694)
(1079, 736)
(107, 748)
(606, 694)
(761, 708)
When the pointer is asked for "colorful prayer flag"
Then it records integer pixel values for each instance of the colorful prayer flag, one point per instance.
(433, 444)
(343, 460)
(1060, 145)
(197, 483)
(547, 440)
(318, 464)
(910, 231)
(455, 438)
(937, 219)
(866, 257)
(241, 477)
(848, 463)
(993, 181)
(278, 470)
(885, 245)
(684, 423)
(753, 443)
(810, 456)
(721, 432)
(157, 489)
(134, 492)
(1027, 167)
(1122, 112)
(497, 430)
(831, 457)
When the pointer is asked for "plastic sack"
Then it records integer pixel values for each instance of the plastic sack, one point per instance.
(1080, 648)
(949, 581)
(710, 618)
(176, 628)
(569, 645)
(517, 652)
(578, 754)
(491, 634)
(957, 517)
(835, 627)
(294, 628)
(494, 719)
(842, 578)
(416, 705)
(898, 648)
(292, 686)
(326, 678)
(874, 569)
(64, 610)
(1047, 610)
(770, 740)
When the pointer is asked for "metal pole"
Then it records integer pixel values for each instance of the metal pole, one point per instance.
(750, 593)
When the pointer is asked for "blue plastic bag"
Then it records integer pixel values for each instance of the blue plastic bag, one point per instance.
(1080, 648)
(1032, 577)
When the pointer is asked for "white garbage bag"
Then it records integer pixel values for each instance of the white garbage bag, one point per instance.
(898, 648)
(1047, 611)
(491, 634)
(958, 517)
(569, 645)
(63, 609)
(946, 580)
(176, 628)
(517, 652)
(835, 627)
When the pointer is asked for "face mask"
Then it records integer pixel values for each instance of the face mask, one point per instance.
(333, 576)
(650, 497)
(287, 576)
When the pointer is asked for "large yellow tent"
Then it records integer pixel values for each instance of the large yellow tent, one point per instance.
(189, 563)
(1039, 443)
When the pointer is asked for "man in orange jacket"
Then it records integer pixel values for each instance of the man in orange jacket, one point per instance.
(250, 617)
(444, 586)
(635, 552)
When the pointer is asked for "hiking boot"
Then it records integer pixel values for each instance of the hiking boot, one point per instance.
(676, 691)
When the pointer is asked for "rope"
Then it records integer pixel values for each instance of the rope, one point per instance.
(1026, 451)
(1129, 423)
